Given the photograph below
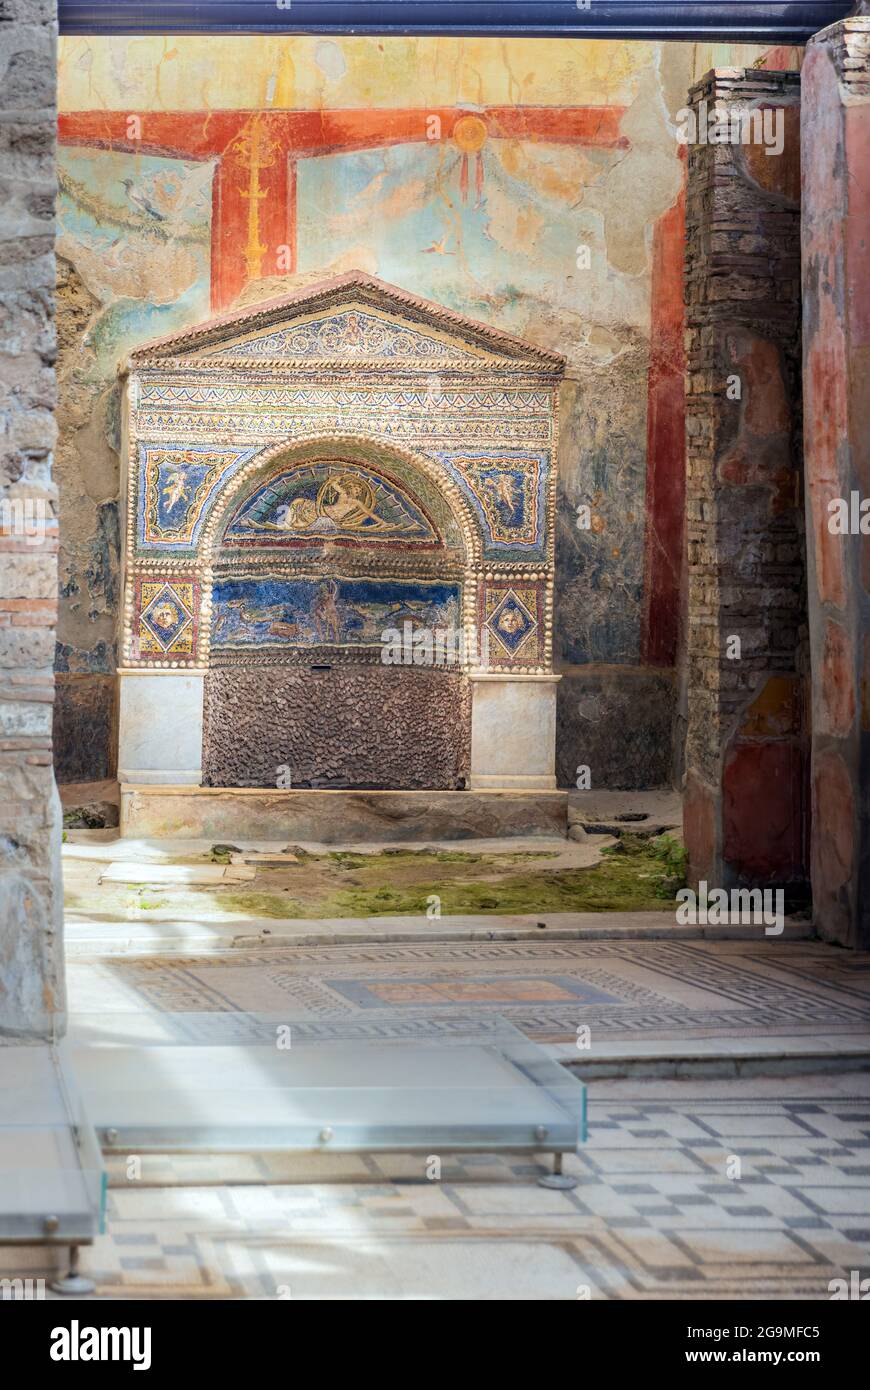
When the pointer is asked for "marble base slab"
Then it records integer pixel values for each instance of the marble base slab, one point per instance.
(513, 732)
(335, 817)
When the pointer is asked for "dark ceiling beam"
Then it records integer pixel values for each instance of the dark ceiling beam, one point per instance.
(747, 21)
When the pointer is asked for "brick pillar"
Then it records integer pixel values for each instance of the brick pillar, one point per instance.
(836, 326)
(746, 637)
(31, 966)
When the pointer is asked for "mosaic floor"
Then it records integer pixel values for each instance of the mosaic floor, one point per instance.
(652, 989)
(748, 1188)
(656, 1214)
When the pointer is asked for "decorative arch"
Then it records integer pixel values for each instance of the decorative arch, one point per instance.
(329, 499)
(361, 447)
(433, 586)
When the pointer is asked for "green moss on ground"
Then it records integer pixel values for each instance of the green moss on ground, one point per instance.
(634, 875)
(253, 904)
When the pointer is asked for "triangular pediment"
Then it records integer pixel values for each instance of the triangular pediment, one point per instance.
(351, 318)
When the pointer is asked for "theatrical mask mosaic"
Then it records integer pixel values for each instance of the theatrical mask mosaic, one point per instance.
(168, 619)
(338, 464)
(512, 618)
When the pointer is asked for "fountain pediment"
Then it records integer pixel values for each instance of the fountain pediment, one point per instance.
(352, 317)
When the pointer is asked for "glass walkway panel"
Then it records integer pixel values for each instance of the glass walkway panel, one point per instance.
(52, 1179)
(244, 1082)
(236, 1082)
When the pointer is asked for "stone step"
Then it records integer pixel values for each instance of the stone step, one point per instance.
(649, 1058)
(207, 875)
(647, 829)
(330, 817)
(86, 936)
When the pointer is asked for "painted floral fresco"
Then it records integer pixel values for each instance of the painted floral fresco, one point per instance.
(139, 233)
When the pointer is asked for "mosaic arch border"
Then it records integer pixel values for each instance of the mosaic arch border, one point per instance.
(228, 491)
(228, 495)
(479, 576)
(343, 442)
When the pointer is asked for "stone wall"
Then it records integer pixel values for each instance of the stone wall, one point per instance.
(836, 285)
(31, 968)
(618, 722)
(746, 754)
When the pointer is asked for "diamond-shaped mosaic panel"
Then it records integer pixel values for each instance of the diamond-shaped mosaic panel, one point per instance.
(167, 621)
(512, 618)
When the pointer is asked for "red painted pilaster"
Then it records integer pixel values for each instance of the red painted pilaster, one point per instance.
(835, 136)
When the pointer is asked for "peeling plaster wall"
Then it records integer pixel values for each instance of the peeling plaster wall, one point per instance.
(87, 473)
(565, 145)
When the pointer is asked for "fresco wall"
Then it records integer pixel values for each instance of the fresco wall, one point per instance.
(536, 186)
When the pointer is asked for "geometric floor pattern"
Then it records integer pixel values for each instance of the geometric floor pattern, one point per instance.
(655, 1214)
(654, 989)
(744, 1188)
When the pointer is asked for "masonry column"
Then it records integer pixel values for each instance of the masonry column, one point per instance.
(746, 642)
(31, 965)
(836, 324)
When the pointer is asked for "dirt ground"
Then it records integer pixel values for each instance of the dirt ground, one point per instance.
(626, 874)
